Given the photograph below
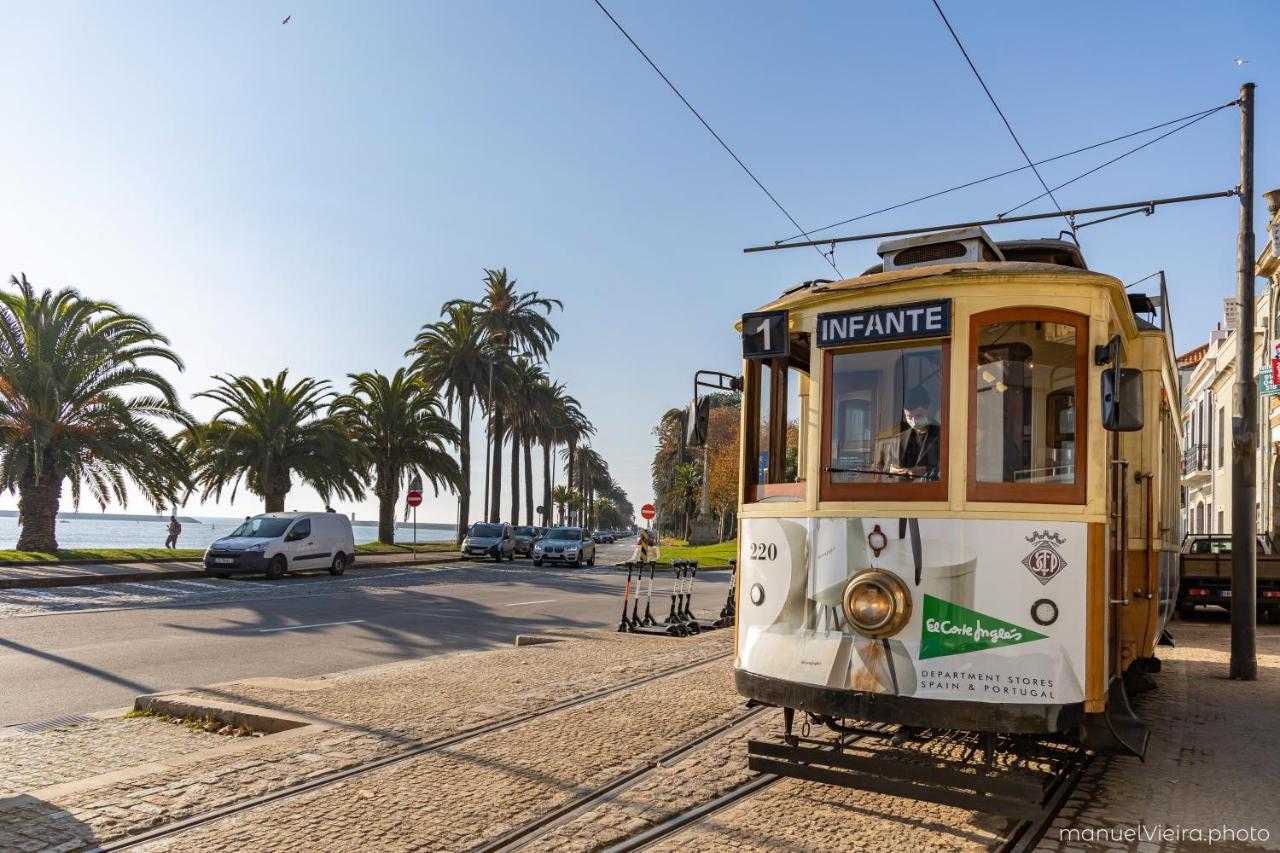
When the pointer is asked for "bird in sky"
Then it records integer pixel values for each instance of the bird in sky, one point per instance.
(288, 17)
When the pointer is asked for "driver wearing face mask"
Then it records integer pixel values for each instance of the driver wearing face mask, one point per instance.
(919, 444)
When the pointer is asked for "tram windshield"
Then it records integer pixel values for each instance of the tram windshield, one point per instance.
(887, 419)
(1026, 398)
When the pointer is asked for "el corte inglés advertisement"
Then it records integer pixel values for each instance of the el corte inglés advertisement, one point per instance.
(997, 607)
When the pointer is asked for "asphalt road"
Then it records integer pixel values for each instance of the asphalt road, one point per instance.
(86, 649)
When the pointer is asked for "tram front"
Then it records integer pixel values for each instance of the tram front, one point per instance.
(929, 531)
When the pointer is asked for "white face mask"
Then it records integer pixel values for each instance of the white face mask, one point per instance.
(916, 421)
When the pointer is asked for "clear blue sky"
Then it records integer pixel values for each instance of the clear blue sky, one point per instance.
(306, 196)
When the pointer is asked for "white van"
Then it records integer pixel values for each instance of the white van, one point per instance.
(280, 542)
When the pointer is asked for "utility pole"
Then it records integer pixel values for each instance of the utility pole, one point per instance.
(1244, 589)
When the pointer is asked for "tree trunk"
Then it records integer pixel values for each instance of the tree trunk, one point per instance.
(528, 481)
(388, 497)
(573, 448)
(38, 499)
(515, 478)
(279, 484)
(495, 482)
(464, 459)
(546, 485)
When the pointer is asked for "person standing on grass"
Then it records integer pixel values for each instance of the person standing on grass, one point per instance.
(175, 527)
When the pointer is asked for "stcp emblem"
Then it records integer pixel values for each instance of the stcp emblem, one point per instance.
(1044, 561)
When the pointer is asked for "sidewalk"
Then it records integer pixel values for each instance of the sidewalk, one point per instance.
(42, 575)
(1212, 761)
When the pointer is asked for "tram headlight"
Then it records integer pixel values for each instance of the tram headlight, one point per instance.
(877, 603)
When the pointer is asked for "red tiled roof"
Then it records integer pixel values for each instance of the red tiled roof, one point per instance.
(1193, 357)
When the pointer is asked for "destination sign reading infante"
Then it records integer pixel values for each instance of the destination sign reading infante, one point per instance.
(894, 323)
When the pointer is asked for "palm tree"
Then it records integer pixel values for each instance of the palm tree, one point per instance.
(510, 321)
(451, 356)
(519, 399)
(558, 417)
(266, 432)
(593, 473)
(686, 485)
(561, 497)
(66, 364)
(400, 425)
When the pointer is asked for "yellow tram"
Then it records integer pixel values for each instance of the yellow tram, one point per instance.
(959, 494)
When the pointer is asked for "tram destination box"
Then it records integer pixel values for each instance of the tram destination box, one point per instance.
(892, 323)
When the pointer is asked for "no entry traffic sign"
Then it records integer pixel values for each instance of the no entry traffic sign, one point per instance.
(413, 498)
(648, 512)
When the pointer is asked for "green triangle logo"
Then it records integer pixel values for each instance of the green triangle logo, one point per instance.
(949, 629)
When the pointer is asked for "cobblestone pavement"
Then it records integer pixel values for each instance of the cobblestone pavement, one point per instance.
(473, 793)
(1211, 762)
(36, 602)
(373, 713)
(1208, 764)
(33, 760)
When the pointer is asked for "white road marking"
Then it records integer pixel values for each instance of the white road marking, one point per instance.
(317, 625)
(539, 601)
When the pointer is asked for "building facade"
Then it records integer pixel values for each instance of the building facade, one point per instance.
(1209, 375)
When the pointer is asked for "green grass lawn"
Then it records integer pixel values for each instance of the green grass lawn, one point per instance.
(400, 548)
(105, 555)
(706, 555)
(127, 555)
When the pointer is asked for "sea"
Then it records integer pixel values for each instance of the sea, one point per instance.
(197, 532)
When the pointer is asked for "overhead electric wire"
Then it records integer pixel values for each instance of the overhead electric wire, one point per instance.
(978, 181)
(1070, 221)
(828, 258)
(1120, 157)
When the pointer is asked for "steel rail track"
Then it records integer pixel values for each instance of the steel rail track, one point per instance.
(540, 826)
(701, 812)
(421, 748)
(1026, 834)
(1023, 837)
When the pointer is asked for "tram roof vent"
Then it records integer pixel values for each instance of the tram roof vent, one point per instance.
(958, 246)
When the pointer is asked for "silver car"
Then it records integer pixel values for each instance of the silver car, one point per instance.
(571, 545)
(525, 538)
(494, 541)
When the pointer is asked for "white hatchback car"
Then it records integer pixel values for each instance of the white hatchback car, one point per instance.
(280, 542)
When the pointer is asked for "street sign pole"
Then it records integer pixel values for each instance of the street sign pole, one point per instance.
(413, 498)
(1244, 426)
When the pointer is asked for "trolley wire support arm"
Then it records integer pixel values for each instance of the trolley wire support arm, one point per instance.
(1137, 206)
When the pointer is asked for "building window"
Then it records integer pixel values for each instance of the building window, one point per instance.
(1199, 523)
(1221, 456)
(1220, 530)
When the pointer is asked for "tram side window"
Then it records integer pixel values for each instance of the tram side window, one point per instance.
(1028, 431)
(777, 396)
(885, 432)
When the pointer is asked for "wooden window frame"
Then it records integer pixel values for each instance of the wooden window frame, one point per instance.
(932, 491)
(1039, 493)
(775, 443)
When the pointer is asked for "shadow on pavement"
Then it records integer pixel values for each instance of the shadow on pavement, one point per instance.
(29, 823)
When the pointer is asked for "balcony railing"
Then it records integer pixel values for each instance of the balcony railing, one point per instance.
(1196, 458)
